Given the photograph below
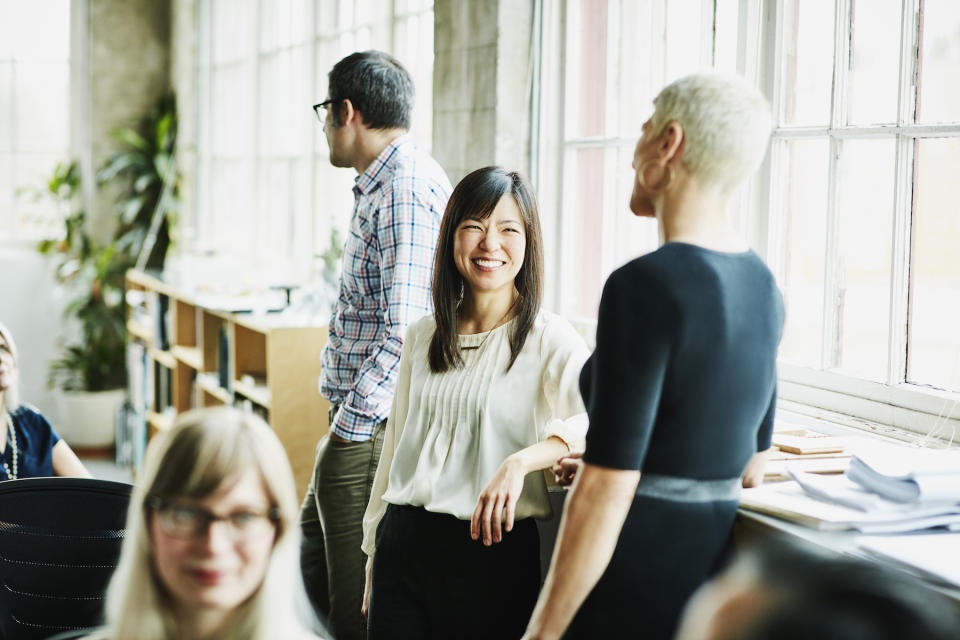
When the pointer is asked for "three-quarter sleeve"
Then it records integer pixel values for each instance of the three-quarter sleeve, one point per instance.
(564, 353)
(395, 422)
(765, 434)
(635, 328)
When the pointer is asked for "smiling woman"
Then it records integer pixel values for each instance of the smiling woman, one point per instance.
(486, 397)
(213, 543)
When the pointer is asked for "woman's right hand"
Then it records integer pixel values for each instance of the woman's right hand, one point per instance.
(367, 586)
(566, 468)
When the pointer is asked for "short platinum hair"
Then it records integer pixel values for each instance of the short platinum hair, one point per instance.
(11, 397)
(204, 449)
(726, 123)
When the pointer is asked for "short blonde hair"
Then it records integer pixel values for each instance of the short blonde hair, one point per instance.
(204, 448)
(11, 397)
(727, 125)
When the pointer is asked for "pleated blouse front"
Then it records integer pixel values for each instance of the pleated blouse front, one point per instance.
(448, 433)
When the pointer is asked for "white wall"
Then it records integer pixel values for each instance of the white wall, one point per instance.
(31, 305)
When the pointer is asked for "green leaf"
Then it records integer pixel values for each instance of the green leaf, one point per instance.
(131, 137)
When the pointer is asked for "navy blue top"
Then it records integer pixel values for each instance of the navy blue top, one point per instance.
(683, 378)
(35, 441)
(682, 383)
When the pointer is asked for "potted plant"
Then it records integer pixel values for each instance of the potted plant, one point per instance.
(91, 372)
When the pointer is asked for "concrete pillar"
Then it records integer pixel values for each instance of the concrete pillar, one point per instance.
(121, 50)
(481, 84)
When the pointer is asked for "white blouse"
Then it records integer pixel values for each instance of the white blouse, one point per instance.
(448, 433)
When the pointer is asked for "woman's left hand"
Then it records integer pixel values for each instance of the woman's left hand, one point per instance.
(498, 498)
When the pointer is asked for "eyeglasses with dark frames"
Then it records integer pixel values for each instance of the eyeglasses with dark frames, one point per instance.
(321, 107)
(182, 520)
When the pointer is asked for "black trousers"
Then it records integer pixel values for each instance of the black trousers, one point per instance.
(431, 580)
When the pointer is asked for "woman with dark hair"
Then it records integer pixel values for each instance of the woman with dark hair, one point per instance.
(486, 395)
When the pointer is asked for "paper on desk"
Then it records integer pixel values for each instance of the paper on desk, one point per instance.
(908, 474)
(935, 555)
(789, 501)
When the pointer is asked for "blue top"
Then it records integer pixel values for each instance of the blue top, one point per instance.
(35, 441)
(683, 379)
(681, 386)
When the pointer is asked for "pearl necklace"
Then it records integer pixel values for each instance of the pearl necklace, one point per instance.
(12, 439)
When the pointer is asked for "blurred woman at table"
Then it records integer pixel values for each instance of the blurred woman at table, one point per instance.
(29, 447)
(212, 546)
(681, 387)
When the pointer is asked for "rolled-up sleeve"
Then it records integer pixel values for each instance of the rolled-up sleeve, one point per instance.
(564, 353)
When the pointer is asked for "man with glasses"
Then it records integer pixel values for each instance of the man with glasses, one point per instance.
(399, 197)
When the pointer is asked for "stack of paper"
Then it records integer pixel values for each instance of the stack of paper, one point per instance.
(833, 503)
(908, 475)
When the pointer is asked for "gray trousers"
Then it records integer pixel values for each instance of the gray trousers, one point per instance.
(331, 520)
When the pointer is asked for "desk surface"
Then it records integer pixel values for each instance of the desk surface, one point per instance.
(844, 542)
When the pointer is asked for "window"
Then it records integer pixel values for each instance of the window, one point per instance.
(266, 189)
(853, 209)
(863, 173)
(602, 63)
(34, 112)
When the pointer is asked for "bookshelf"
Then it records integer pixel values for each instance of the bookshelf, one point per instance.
(187, 351)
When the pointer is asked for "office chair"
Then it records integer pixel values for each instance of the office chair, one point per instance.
(60, 540)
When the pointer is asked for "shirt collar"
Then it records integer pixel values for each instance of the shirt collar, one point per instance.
(370, 180)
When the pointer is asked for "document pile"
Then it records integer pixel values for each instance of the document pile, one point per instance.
(887, 489)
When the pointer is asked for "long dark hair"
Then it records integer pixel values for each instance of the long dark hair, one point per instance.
(477, 196)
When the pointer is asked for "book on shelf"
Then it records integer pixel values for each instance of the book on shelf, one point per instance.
(908, 474)
(223, 359)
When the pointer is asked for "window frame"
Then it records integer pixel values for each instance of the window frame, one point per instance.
(895, 405)
(319, 220)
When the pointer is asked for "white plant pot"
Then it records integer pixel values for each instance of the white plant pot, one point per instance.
(88, 418)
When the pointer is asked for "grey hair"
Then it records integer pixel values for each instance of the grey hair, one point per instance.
(11, 397)
(204, 449)
(727, 125)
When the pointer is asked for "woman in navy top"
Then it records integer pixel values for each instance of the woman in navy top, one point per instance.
(681, 387)
(29, 447)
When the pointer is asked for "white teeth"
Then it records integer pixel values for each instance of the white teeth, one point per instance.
(488, 263)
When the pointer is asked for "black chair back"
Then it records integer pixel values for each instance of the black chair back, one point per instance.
(60, 541)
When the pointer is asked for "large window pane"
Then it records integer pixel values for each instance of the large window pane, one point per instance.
(586, 68)
(580, 291)
(639, 73)
(938, 97)
(686, 52)
(40, 29)
(806, 175)
(874, 58)
(865, 229)
(42, 96)
(934, 339)
(807, 74)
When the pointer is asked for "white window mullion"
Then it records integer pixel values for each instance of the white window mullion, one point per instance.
(255, 163)
(903, 199)
(317, 94)
(833, 272)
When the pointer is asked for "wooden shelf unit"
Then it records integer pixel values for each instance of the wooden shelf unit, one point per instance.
(211, 357)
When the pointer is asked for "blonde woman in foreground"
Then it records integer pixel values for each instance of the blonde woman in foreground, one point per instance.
(212, 547)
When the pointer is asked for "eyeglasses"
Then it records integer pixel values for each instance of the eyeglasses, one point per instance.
(184, 521)
(320, 108)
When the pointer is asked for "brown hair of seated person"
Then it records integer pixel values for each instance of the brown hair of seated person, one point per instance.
(788, 592)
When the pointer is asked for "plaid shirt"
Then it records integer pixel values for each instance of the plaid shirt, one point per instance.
(385, 284)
